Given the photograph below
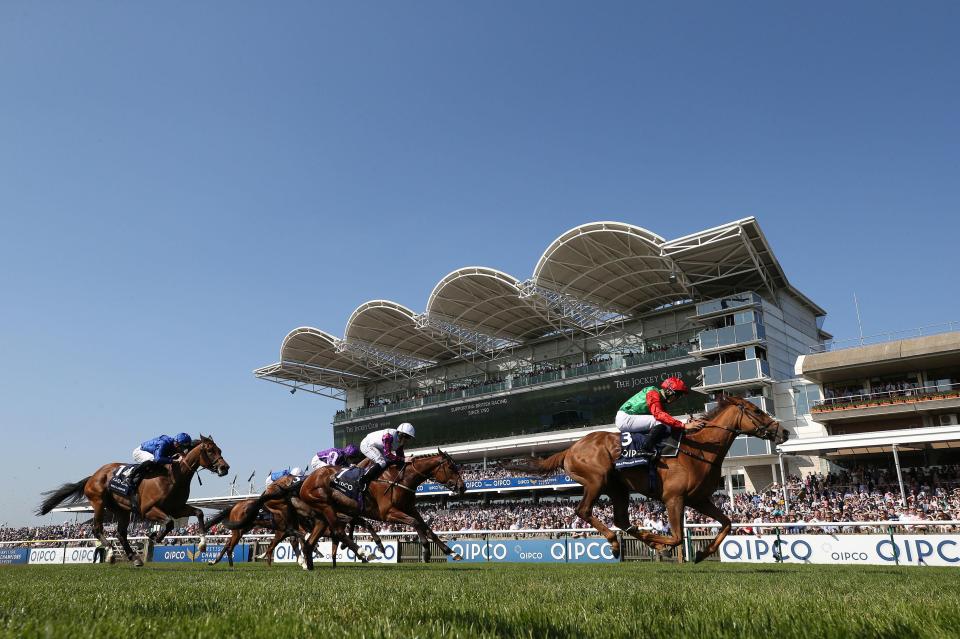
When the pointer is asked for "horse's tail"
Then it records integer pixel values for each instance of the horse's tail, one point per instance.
(253, 509)
(70, 493)
(538, 465)
(220, 516)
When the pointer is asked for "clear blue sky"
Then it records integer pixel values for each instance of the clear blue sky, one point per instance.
(183, 183)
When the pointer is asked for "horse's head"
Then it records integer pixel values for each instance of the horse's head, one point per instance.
(750, 420)
(447, 472)
(211, 457)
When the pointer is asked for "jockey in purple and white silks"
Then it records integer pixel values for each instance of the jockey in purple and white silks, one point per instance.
(384, 447)
(334, 456)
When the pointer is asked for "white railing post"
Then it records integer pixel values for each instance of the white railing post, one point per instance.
(896, 461)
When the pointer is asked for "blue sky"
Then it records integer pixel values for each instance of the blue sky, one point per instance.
(181, 184)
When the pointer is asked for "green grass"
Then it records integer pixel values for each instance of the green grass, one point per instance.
(474, 600)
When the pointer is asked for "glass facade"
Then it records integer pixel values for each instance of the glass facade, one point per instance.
(730, 335)
(735, 372)
(746, 446)
(727, 303)
(806, 396)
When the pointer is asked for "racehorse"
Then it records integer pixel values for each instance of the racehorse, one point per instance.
(282, 519)
(162, 494)
(389, 498)
(689, 479)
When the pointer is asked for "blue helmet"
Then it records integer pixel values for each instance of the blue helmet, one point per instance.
(183, 439)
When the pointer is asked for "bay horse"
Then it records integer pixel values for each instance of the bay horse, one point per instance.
(390, 498)
(163, 495)
(283, 520)
(689, 479)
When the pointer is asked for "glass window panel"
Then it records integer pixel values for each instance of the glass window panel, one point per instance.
(711, 375)
(730, 372)
(739, 447)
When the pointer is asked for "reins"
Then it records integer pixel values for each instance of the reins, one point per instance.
(759, 431)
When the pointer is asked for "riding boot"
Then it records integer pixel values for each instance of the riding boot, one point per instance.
(654, 435)
(372, 472)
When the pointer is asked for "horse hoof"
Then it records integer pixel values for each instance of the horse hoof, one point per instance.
(138, 562)
(362, 557)
(211, 563)
(700, 556)
(615, 549)
(457, 557)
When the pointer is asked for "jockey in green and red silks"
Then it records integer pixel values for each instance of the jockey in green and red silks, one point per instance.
(644, 413)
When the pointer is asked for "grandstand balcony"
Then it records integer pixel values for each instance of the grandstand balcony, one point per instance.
(725, 305)
(729, 338)
(745, 373)
(940, 401)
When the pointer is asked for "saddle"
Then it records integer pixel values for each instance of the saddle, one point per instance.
(121, 483)
(347, 481)
(632, 454)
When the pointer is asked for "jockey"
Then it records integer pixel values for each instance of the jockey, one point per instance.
(159, 450)
(334, 457)
(296, 472)
(644, 413)
(384, 447)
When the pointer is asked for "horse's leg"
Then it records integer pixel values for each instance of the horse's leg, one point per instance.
(98, 509)
(621, 510)
(424, 532)
(155, 514)
(592, 489)
(373, 533)
(310, 542)
(675, 506)
(228, 546)
(190, 511)
(267, 554)
(123, 520)
(711, 510)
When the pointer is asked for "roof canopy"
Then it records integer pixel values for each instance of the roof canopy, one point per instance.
(486, 301)
(590, 275)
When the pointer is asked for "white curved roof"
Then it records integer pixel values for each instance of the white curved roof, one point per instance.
(607, 268)
(392, 327)
(487, 301)
(614, 265)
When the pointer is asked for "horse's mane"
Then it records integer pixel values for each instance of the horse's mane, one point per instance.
(722, 402)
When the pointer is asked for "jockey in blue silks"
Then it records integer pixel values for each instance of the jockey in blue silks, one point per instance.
(159, 450)
(283, 472)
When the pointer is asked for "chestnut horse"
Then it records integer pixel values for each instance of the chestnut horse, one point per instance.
(283, 520)
(689, 479)
(163, 495)
(389, 498)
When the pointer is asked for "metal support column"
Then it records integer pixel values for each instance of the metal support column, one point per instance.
(730, 487)
(783, 485)
(896, 461)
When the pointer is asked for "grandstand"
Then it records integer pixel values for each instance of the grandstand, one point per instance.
(497, 366)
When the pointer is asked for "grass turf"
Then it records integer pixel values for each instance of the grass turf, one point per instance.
(498, 600)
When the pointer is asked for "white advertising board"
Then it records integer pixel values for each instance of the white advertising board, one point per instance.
(883, 550)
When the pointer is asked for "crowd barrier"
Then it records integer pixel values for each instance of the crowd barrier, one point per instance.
(876, 543)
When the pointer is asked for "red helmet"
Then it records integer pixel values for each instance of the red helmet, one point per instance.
(675, 384)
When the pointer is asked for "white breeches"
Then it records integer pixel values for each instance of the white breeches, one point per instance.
(374, 454)
(140, 455)
(634, 423)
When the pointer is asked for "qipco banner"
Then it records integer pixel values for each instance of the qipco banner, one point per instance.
(46, 556)
(79, 555)
(592, 549)
(14, 555)
(283, 553)
(189, 553)
(883, 550)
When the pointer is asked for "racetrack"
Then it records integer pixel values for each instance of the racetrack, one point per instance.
(479, 600)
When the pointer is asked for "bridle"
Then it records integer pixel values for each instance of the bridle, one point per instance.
(400, 483)
(760, 430)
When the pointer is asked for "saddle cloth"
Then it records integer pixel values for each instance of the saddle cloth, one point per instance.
(630, 450)
(347, 481)
(120, 482)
